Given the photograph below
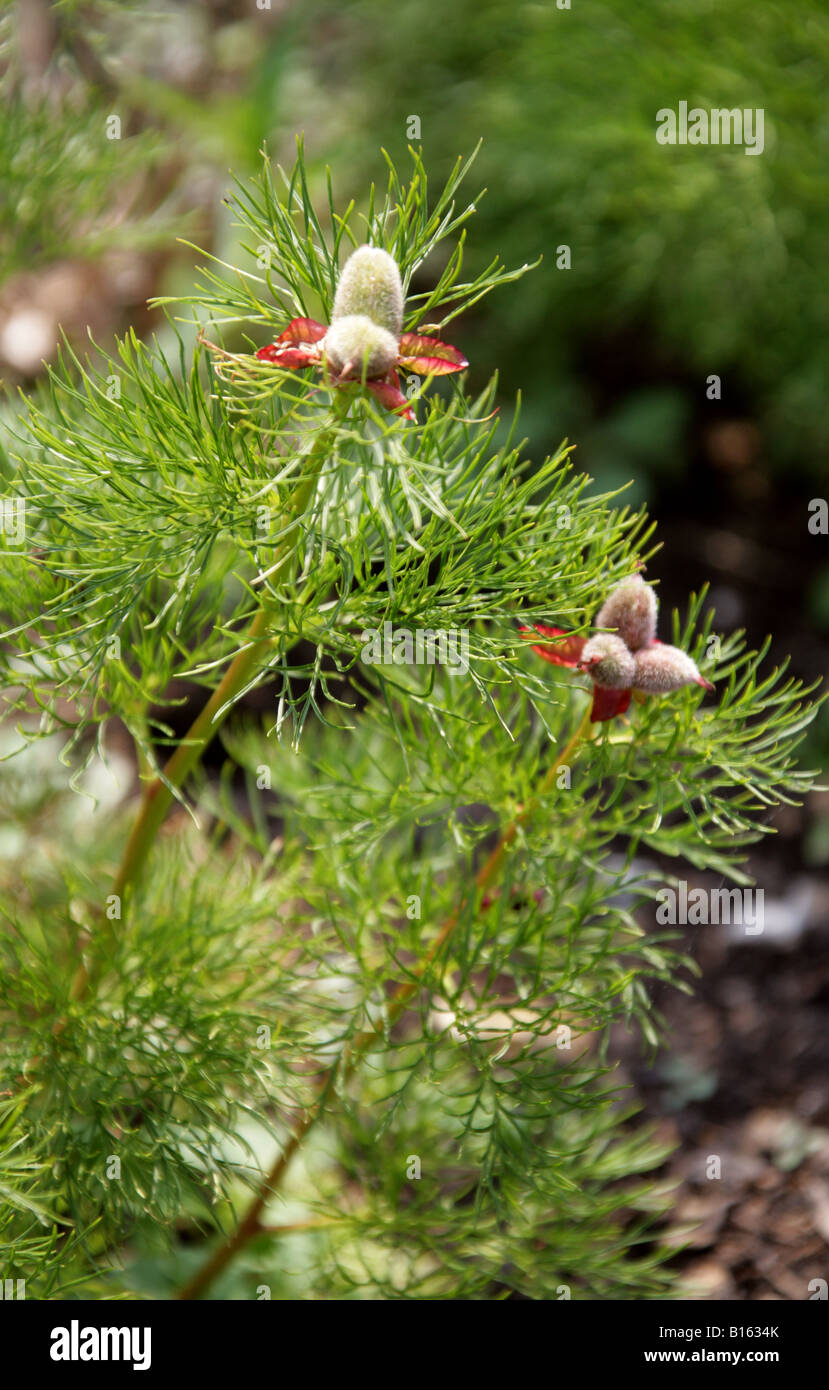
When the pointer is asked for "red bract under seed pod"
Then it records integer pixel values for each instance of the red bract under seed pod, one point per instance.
(567, 649)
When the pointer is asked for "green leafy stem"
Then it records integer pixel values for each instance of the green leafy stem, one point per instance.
(251, 1224)
(162, 790)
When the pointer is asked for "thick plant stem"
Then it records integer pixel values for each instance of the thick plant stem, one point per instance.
(160, 792)
(250, 1224)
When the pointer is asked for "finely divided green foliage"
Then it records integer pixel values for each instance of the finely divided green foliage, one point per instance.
(156, 492)
(30, 1234)
(152, 1075)
(300, 261)
(151, 512)
(566, 168)
(159, 513)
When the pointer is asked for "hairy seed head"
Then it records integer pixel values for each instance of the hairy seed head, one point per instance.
(631, 610)
(608, 662)
(370, 284)
(355, 346)
(661, 669)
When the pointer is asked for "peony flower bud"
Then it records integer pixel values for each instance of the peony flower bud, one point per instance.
(355, 346)
(608, 662)
(370, 284)
(661, 669)
(631, 610)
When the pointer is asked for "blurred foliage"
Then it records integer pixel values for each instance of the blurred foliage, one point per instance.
(76, 165)
(686, 261)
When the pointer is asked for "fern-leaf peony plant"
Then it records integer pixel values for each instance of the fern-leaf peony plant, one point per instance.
(335, 1021)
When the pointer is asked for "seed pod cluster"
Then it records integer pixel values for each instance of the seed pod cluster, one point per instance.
(367, 318)
(654, 667)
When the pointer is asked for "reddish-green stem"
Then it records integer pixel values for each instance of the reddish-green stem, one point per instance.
(250, 1225)
(160, 792)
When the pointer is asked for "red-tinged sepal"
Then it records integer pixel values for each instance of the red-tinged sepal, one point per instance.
(292, 358)
(429, 356)
(565, 650)
(390, 396)
(296, 347)
(608, 703)
(303, 331)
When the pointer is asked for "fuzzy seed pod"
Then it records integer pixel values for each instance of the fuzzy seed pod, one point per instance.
(355, 346)
(370, 284)
(661, 669)
(608, 662)
(631, 610)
